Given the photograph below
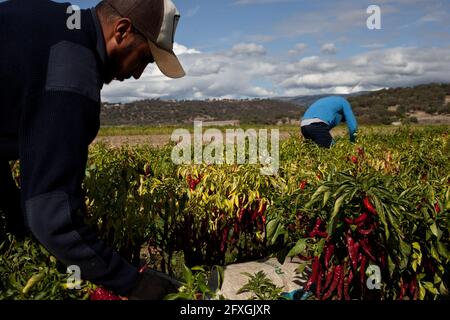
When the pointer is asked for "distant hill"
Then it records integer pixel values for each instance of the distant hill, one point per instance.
(379, 107)
(401, 104)
(160, 112)
(308, 100)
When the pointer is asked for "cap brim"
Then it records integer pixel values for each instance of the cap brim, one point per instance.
(167, 61)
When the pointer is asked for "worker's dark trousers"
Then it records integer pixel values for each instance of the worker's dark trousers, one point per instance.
(319, 133)
(10, 201)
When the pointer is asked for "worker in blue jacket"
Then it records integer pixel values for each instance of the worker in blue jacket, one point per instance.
(325, 114)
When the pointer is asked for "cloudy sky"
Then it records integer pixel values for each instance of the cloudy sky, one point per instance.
(268, 48)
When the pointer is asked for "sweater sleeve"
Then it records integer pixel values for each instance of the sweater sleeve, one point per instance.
(53, 153)
(350, 120)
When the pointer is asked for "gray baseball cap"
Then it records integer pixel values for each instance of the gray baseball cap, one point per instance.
(157, 20)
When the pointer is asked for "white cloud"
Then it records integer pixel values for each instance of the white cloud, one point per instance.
(389, 67)
(373, 45)
(180, 49)
(250, 49)
(328, 48)
(298, 49)
(248, 71)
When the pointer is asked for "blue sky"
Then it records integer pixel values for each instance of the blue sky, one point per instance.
(259, 48)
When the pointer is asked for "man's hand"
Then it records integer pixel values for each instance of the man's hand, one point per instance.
(153, 285)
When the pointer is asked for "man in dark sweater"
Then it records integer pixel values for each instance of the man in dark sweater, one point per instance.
(50, 80)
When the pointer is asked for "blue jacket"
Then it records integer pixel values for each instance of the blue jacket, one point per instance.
(333, 110)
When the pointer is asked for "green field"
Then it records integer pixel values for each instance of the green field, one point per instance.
(381, 202)
(111, 131)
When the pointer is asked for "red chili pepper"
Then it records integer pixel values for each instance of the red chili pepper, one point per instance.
(193, 182)
(360, 151)
(347, 282)
(369, 206)
(341, 283)
(361, 219)
(429, 267)
(236, 228)
(319, 282)
(255, 215)
(403, 288)
(241, 214)
(312, 234)
(382, 260)
(303, 184)
(355, 255)
(143, 268)
(367, 249)
(224, 239)
(315, 230)
(349, 220)
(335, 283)
(329, 253)
(413, 288)
(362, 272)
(103, 294)
(318, 223)
(437, 207)
(330, 274)
(314, 273)
(366, 232)
(263, 219)
(352, 249)
(304, 258)
(322, 234)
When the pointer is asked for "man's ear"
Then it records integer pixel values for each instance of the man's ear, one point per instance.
(122, 29)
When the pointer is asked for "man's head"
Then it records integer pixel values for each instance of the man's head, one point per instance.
(139, 32)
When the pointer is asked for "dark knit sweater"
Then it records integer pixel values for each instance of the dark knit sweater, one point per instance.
(50, 82)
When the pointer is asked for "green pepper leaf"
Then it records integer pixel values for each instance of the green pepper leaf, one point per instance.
(299, 247)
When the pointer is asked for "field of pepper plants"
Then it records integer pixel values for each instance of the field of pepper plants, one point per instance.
(381, 204)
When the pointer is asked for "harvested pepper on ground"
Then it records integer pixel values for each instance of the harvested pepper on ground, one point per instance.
(103, 294)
